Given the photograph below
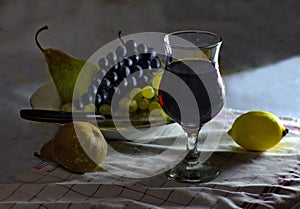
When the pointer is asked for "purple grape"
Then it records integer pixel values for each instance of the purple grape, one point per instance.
(135, 58)
(127, 62)
(103, 63)
(132, 82)
(112, 90)
(103, 93)
(114, 67)
(130, 46)
(124, 83)
(142, 48)
(139, 74)
(98, 100)
(108, 101)
(92, 90)
(78, 104)
(105, 83)
(111, 58)
(135, 68)
(101, 73)
(155, 63)
(96, 81)
(121, 51)
(113, 76)
(117, 91)
(145, 79)
(145, 64)
(125, 71)
(151, 53)
(86, 98)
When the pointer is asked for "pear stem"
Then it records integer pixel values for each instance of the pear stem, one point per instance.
(35, 154)
(46, 27)
(121, 39)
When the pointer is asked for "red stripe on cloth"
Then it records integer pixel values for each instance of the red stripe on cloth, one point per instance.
(64, 194)
(13, 205)
(97, 206)
(12, 193)
(191, 200)
(96, 190)
(43, 206)
(34, 196)
(42, 175)
(275, 189)
(41, 165)
(33, 181)
(126, 205)
(226, 160)
(69, 205)
(167, 198)
(115, 178)
(77, 192)
(225, 195)
(153, 196)
(123, 188)
(146, 190)
(162, 184)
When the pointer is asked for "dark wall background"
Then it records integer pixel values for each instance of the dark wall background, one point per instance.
(255, 32)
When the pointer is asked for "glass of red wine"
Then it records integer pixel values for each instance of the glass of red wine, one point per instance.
(192, 92)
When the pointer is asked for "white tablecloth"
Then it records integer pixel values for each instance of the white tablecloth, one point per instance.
(268, 179)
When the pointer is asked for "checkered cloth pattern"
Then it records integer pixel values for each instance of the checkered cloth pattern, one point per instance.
(249, 180)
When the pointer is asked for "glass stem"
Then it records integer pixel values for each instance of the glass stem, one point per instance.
(192, 157)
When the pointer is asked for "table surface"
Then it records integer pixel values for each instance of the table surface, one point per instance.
(269, 80)
(247, 179)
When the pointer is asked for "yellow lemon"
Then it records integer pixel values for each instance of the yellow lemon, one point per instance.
(257, 130)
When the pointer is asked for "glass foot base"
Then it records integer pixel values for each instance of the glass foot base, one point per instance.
(193, 173)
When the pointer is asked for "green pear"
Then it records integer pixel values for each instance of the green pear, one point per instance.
(64, 70)
(47, 152)
(77, 146)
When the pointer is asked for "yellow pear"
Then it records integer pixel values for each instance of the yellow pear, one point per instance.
(65, 70)
(47, 152)
(78, 146)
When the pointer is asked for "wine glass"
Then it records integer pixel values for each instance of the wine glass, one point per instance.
(191, 92)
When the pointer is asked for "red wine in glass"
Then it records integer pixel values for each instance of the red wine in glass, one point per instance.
(191, 92)
(206, 97)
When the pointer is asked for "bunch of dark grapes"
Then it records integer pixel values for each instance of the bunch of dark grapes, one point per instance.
(131, 65)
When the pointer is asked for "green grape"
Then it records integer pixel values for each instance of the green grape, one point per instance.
(67, 107)
(156, 80)
(105, 109)
(124, 103)
(135, 93)
(154, 105)
(156, 110)
(143, 113)
(143, 103)
(155, 99)
(164, 114)
(89, 108)
(133, 106)
(148, 92)
(156, 114)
